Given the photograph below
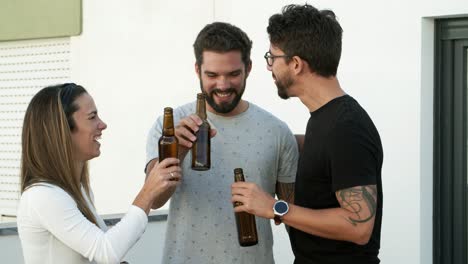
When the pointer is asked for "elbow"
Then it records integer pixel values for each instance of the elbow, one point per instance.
(362, 238)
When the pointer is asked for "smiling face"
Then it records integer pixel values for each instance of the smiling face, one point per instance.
(223, 78)
(88, 129)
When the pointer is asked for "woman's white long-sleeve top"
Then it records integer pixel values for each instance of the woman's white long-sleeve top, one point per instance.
(52, 230)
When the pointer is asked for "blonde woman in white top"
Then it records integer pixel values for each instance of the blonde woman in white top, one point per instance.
(57, 222)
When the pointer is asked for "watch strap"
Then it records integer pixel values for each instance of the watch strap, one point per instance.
(277, 219)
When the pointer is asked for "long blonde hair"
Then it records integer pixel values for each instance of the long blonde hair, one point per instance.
(47, 151)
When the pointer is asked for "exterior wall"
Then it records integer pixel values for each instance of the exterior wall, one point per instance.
(136, 58)
(147, 250)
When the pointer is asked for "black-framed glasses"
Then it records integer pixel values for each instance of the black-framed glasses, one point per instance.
(270, 58)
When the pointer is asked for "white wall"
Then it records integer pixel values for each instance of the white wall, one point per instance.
(136, 57)
(147, 250)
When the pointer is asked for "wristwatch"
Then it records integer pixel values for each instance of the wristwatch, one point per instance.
(280, 208)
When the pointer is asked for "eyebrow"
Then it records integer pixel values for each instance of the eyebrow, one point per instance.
(231, 72)
(92, 113)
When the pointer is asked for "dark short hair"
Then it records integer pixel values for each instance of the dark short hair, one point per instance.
(313, 35)
(222, 37)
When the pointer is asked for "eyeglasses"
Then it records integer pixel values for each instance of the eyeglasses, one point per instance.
(271, 58)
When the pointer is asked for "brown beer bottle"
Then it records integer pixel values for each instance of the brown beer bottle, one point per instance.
(168, 143)
(246, 226)
(201, 156)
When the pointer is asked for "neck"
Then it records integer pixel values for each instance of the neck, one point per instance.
(79, 169)
(317, 91)
(241, 107)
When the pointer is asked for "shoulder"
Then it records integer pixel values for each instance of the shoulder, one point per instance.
(267, 118)
(184, 110)
(353, 126)
(185, 107)
(350, 111)
(45, 193)
(179, 112)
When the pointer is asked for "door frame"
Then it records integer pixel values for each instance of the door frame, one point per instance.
(450, 141)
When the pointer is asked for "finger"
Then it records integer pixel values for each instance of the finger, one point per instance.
(240, 208)
(174, 169)
(184, 142)
(186, 133)
(172, 172)
(238, 191)
(175, 176)
(238, 198)
(213, 132)
(151, 166)
(241, 185)
(190, 122)
(173, 184)
(168, 162)
(195, 118)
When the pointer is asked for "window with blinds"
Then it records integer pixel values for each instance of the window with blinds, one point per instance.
(25, 68)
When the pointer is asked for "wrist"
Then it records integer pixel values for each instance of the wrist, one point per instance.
(271, 213)
(280, 209)
(144, 200)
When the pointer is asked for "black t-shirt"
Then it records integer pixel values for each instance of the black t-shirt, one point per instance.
(342, 149)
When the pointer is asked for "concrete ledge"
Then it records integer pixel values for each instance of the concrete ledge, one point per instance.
(10, 229)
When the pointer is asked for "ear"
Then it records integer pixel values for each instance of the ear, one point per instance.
(248, 69)
(197, 70)
(299, 65)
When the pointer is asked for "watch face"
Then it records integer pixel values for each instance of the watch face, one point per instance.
(281, 207)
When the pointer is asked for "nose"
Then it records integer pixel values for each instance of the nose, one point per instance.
(102, 125)
(268, 67)
(222, 83)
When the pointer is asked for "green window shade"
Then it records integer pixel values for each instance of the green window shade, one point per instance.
(32, 19)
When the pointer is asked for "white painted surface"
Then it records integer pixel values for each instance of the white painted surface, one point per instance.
(25, 67)
(147, 250)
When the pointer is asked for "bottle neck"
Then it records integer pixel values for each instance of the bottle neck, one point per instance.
(201, 108)
(168, 125)
(239, 177)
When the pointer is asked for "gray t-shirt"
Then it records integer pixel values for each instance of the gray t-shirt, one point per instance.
(201, 225)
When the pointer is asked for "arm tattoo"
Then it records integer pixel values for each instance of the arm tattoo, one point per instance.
(360, 200)
(285, 191)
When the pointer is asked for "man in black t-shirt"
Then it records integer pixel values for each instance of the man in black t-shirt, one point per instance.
(337, 212)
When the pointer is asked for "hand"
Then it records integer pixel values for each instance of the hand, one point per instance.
(254, 200)
(185, 133)
(162, 181)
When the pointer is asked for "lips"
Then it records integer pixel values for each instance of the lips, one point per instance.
(97, 138)
(225, 95)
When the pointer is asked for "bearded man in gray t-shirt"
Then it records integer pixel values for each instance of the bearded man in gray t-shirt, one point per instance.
(201, 225)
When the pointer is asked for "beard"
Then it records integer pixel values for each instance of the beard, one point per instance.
(283, 87)
(224, 107)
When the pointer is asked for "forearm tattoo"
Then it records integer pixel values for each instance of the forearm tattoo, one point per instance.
(361, 201)
(285, 191)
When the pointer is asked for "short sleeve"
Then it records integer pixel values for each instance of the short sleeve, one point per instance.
(289, 155)
(152, 141)
(152, 146)
(352, 156)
